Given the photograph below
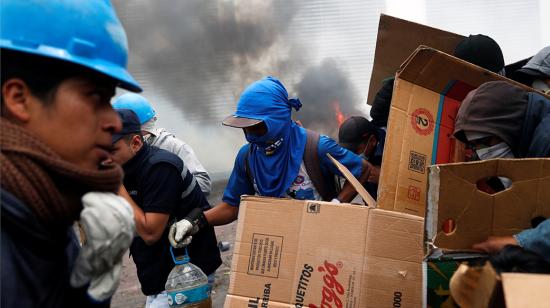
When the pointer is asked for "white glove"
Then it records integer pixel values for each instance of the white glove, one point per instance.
(181, 232)
(108, 224)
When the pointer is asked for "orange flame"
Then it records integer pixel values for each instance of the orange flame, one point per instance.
(339, 115)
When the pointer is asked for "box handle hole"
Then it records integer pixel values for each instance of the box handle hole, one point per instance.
(493, 184)
(449, 226)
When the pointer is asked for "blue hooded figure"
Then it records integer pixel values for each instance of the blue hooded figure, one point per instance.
(272, 164)
(275, 157)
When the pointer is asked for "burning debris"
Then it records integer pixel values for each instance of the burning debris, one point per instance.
(328, 97)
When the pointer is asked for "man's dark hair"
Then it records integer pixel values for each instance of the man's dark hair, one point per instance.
(354, 131)
(41, 74)
(129, 137)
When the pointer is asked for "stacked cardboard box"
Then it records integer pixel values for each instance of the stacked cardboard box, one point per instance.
(426, 96)
(474, 215)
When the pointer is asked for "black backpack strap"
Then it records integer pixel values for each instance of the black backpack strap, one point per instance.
(247, 166)
(313, 167)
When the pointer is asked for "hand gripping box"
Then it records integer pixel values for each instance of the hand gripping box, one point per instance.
(296, 253)
(460, 214)
(427, 93)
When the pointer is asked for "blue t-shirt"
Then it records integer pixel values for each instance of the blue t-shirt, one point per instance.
(239, 183)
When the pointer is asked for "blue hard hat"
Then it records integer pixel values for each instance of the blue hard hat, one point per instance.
(137, 103)
(86, 33)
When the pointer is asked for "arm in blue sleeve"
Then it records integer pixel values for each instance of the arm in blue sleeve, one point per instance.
(536, 239)
(238, 183)
(352, 161)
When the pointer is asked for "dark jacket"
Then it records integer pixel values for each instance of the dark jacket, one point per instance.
(153, 178)
(518, 117)
(535, 133)
(37, 262)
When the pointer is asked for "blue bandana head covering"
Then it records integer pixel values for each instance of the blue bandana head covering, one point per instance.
(276, 156)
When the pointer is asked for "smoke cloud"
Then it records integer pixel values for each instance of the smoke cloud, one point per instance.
(195, 49)
(325, 91)
(194, 57)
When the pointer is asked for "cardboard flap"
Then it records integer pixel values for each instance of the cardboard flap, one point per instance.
(460, 215)
(425, 68)
(354, 182)
(397, 39)
(526, 290)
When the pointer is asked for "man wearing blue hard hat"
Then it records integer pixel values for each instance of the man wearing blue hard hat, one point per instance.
(61, 63)
(281, 159)
(160, 138)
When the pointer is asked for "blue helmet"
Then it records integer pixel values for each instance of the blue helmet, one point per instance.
(86, 33)
(138, 104)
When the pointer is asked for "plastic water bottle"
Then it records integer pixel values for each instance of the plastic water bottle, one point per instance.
(187, 285)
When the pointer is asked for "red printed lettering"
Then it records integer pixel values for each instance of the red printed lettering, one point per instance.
(331, 289)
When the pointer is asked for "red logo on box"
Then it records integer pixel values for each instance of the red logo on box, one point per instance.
(414, 193)
(331, 287)
(422, 121)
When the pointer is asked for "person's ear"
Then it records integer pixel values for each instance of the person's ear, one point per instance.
(136, 143)
(17, 99)
(372, 141)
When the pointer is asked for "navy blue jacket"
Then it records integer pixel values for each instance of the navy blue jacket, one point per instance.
(36, 261)
(159, 182)
(535, 132)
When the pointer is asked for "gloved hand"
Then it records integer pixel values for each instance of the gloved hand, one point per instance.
(108, 224)
(181, 233)
(472, 286)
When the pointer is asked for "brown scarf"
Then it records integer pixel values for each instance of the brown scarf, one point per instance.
(50, 186)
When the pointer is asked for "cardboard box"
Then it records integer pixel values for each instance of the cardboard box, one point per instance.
(526, 290)
(295, 253)
(455, 200)
(396, 40)
(427, 94)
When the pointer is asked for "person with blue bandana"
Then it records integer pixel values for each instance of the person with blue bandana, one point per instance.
(276, 161)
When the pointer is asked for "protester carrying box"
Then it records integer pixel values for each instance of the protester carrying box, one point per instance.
(499, 119)
(478, 49)
(154, 186)
(56, 128)
(282, 159)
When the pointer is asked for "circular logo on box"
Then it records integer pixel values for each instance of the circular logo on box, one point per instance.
(422, 121)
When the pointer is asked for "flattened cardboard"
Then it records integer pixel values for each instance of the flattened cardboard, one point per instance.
(453, 195)
(369, 200)
(526, 290)
(396, 40)
(427, 94)
(293, 253)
